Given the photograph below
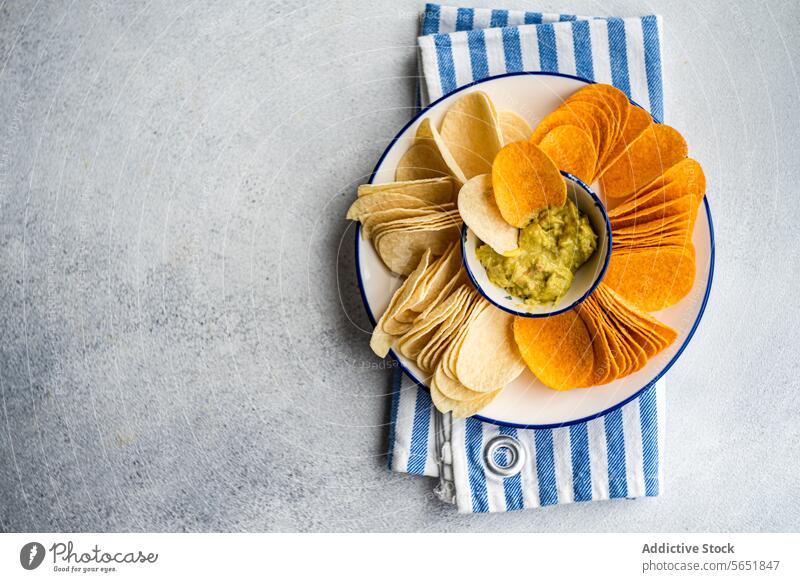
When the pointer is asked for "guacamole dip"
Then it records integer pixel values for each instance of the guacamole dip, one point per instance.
(552, 247)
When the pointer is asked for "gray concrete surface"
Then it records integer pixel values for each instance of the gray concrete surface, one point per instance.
(182, 344)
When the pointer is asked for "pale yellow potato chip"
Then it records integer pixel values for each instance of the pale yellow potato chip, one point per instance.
(468, 408)
(429, 356)
(429, 220)
(372, 219)
(513, 127)
(458, 279)
(488, 358)
(421, 161)
(454, 389)
(395, 327)
(450, 357)
(366, 205)
(433, 190)
(471, 131)
(401, 250)
(442, 271)
(429, 135)
(479, 211)
(422, 331)
(442, 403)
(382, 340)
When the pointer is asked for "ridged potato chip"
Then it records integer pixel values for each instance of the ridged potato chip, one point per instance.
(479, 211)
(525, 180)
(557, 349)
(471, 131)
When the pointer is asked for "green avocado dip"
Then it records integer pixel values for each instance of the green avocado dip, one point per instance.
(552, 247)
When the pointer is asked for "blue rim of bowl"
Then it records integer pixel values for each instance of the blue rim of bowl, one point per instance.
(595, 282)
(706, 295)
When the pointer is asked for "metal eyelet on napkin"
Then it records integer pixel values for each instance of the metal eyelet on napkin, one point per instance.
(514, 456)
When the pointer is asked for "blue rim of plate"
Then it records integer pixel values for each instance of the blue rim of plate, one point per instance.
(711, 258)
(598, 278)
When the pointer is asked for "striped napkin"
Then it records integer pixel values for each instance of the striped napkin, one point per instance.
(619, 455)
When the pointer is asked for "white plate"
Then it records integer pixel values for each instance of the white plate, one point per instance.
(526, 403)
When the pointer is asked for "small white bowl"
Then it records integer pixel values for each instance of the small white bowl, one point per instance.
(587, 278)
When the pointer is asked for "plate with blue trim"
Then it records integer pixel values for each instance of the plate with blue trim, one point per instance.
(526, 402)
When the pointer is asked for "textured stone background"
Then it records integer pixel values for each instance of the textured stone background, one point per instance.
(182, 344)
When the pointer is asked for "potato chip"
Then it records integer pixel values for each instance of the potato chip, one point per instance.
(488, 358)
(655, 226)
(381, 340)
(421, 161)
(615, 105)
(401, 249)
(383, 216)
(443, 270)
(460, 409)
(454, 389)
(605, 368)
(572, 150)
(638, 121)
(599, 117)
(471, 131)
(586, 116)
(429, 356)
(525, 180)
(433, 190)
(652, 279)
(423, 330)
(442, 403)
(513, 127)
(467, 408)
(688, 173)
(557, 349)
(427, 134)
(479, 211)
(658, 148)
(366, 205)
(686, 178)
(685, 205)
(656, 336)
(450, 356)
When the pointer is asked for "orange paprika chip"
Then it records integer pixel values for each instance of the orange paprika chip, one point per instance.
(657, 149)
(652, 278)
(557, 349)
(572, 150)
(525, 180)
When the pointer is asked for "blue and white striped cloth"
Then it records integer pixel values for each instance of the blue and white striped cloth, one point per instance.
(619, 455)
